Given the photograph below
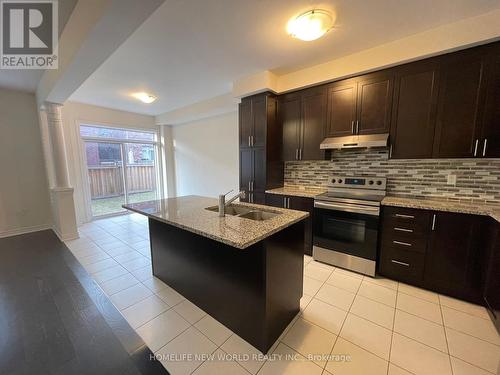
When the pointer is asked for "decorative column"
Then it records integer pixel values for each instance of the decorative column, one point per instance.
(61, 193)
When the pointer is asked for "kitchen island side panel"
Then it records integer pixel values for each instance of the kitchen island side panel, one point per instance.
(234, 286)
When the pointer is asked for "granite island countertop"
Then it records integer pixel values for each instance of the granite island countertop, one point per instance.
(189, 213)
(297, 191)
(474, 208)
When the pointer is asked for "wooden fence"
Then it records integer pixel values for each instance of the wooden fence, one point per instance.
(107, 182)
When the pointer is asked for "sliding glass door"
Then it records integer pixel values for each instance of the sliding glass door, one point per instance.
(121, 168)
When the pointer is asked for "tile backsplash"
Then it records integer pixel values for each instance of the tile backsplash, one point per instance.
(477, 179)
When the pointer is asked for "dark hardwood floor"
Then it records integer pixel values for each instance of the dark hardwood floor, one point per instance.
(54, 319)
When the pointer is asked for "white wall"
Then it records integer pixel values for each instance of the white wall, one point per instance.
(24, 196)
(206, 156)
(73, 115)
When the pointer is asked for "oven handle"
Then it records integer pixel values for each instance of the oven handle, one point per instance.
(374, 211)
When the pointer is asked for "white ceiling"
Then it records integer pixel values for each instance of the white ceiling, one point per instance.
(192, 50)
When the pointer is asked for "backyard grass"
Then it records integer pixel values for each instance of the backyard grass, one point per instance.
(105, 206)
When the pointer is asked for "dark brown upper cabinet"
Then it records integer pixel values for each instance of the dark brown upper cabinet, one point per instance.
(253, 120)
(303, 117)
(374, 103)
(460, 103)
(490, 134)
(361, 105)
(289, 109)
(341, 106)
(260, 134)
(413, 125)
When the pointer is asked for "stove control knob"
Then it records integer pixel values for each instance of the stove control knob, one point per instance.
(379, 182)
(334, 181)
(340, 180)
(370, 182)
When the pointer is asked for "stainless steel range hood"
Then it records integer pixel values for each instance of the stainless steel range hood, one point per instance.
(355, 141)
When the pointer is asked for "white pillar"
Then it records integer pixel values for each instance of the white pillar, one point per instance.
(61, 193)
(56, 133)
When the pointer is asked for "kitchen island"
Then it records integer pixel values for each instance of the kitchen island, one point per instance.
(244, 269)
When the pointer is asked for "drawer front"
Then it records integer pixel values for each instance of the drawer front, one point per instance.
(412, 220)
(408, 241)
(402, 265)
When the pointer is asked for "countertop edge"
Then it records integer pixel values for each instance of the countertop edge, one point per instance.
(456, 207)
(219, 239)
(296, 192)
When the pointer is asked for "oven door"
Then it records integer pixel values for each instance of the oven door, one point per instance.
(346, 228)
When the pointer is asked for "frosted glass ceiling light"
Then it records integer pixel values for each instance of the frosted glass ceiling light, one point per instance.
(144, 97)
(311, 25)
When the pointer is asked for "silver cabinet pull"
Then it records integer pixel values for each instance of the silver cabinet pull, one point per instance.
(357, 127)
(390, 152)
(249, 142)
(484, 146)
(352, 126)
(288, 202)
(284, 202)
(400, 263)
(253, 140)
(249, 186)
(404, 216)
(402, 243)
(403, 230)
(475, 147)
(434, 222)
(300, 154)
(296, 154)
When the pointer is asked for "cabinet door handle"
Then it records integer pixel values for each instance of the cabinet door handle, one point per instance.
(288, 202)
(434, 222)
(284, 202)
(484, 146)
(249, 186)
(404, 216)
(357, 127)
(390, 152)
(296, 154)
(475, 147)
(402, 243)
(352, 126)
(253, 140)
(403, 230)
(400, 263)
(300, 154)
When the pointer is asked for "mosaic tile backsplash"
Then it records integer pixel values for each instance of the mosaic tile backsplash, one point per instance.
(477, 179)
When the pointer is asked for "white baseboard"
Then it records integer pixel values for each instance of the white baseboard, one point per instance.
(18, 231)
(67, 237)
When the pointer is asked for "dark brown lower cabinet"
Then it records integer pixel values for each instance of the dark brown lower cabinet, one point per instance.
(440, 251)
(299, 204)
(453, 259)
(491, 292)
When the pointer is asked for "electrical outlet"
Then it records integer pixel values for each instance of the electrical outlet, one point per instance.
(452, 179)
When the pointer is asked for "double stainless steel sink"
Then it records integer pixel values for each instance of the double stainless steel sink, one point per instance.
(246, 212)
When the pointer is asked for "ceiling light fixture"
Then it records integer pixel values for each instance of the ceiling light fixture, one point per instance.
(144, 97)
(311, 25)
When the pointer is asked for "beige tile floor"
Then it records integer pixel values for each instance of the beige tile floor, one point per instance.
(349, 324)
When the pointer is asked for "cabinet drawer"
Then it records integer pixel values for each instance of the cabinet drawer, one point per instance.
(402, 265)
(411, 220)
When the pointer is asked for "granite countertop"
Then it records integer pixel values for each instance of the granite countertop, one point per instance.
(189, 213)
(475, 208)
(298, 191)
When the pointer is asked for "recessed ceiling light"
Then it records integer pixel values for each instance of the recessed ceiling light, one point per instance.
(144, 97)
(311, 25)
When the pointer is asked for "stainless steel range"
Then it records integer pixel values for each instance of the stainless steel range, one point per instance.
(346, 221)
